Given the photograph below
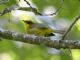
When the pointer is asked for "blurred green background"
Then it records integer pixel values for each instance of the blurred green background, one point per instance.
(12, 50)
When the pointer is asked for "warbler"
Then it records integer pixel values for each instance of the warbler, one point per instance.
(38, 29)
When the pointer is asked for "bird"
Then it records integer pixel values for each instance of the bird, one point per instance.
(44, 30)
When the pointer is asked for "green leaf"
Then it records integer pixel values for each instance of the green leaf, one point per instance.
(8, 2)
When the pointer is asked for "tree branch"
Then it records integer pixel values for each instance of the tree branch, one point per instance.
(39, 40)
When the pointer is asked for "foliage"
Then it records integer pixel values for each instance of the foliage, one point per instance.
(23, 51)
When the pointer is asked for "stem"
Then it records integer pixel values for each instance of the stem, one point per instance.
(69, 29)
(37, 12)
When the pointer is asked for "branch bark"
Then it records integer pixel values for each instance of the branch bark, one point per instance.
(14, 36)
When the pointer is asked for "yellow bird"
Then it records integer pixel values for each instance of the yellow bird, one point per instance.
(40, 29)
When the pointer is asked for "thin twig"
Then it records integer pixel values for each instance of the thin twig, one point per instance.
(7, 10)
(69, 29)
(37, 12)
(33, 9)
(58, 8)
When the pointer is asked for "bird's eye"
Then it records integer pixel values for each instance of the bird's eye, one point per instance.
(48, 35)
(51, 34)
